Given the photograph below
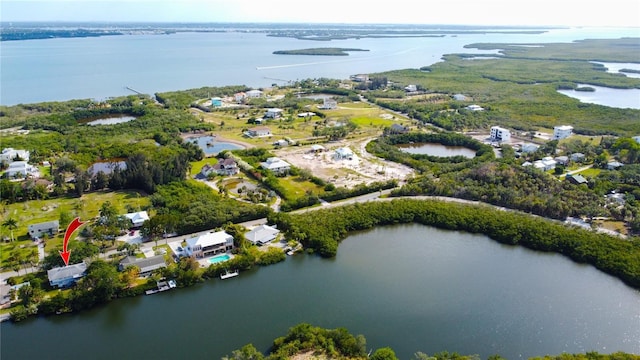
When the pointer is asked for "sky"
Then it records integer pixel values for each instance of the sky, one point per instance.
(455, 12)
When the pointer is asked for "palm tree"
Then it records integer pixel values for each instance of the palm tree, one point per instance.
(10, 224)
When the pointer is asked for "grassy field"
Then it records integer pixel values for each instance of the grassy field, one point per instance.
(37, 211)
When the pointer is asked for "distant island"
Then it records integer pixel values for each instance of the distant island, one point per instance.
(319, 51)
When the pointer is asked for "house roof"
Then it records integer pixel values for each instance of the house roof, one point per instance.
(209, 239)
(54, 224)
(260, 128)
(74, 271)
(317, 147)
(262, 234)
(274, 163)
(577, 179)
(145, 264)
(137, 217)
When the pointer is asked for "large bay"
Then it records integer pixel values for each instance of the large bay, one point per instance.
(411, 287)
(97, 68)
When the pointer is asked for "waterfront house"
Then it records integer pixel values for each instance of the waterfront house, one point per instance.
(66, 276)
(276, 165)
(343, 153)
(49, 228)
(262, 234)
(258, 131)
(360, 78)
(146, 265)
(137, 218)
(9, 155)
(209, 244)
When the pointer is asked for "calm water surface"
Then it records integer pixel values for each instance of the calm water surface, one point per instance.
(210, 146)
(434, 149)
(97, 68)
(618, 98)
(112, 120)
(410, 287)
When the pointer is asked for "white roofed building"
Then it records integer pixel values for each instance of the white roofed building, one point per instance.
(262, 234)
(137, 218)
(209, 244)
(276, 165)
(500, 134)
(9, 155)
(562, 132)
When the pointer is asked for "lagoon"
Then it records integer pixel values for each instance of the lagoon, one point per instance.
(617, 98)
(411, 287)
(111, 120)
(211, 146)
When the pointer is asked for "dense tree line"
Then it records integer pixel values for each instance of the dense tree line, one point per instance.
(322, 230)
(340, 344)
(198, 208)
(184, 98)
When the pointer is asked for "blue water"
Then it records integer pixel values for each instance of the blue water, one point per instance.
(219, 258)
(98, 68)
(618, 98)
(210, 146)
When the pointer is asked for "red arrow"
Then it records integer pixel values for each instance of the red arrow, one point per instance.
(75, 224)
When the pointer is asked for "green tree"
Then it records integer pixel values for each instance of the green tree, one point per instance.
(10, 224)
(247, 352)
(385, 353)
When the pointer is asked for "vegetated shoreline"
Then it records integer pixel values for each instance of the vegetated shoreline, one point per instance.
(329, 51)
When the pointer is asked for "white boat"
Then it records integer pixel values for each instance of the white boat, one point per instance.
(228, 274)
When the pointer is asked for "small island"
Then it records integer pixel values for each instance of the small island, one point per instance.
(330, 51)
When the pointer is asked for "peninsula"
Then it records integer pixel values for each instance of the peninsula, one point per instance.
(330, 51)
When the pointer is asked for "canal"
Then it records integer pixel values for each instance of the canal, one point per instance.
(410, 287)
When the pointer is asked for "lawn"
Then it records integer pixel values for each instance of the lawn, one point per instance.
(37, 211)
(296, 188)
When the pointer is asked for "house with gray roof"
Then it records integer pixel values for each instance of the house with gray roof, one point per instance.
(262, 234)
(49, 228)
(146, 265)
(66, 276)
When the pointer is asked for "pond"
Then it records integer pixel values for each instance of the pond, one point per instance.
(211, 146)
(111, 120)
(435, 149)
(410, 287)
(617, 98)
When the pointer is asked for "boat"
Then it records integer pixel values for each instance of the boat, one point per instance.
(228, 274)
(162, 286)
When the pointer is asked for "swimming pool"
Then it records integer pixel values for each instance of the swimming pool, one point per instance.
(219, 258)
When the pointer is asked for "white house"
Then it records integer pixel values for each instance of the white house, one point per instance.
(343, 153)
(9, 155)
(252, 94)
(273, 113)
(21, 169)
(459, 97)
(547, 163)
(66, 276)
(577, 157)
(262, 234)
(137, 218)
(209, 244)
(276, 165)
(146, 265)
(613, 165)
(562, 132)
(258, 131)
(500, 134)
(410, 88)
(474, 107)
(328, 104)
(49, 228)
(240, 97)
(223, 167)
(529, 148)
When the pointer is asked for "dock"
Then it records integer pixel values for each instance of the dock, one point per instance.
(134, 90)
(162, 286)
(227, 275)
